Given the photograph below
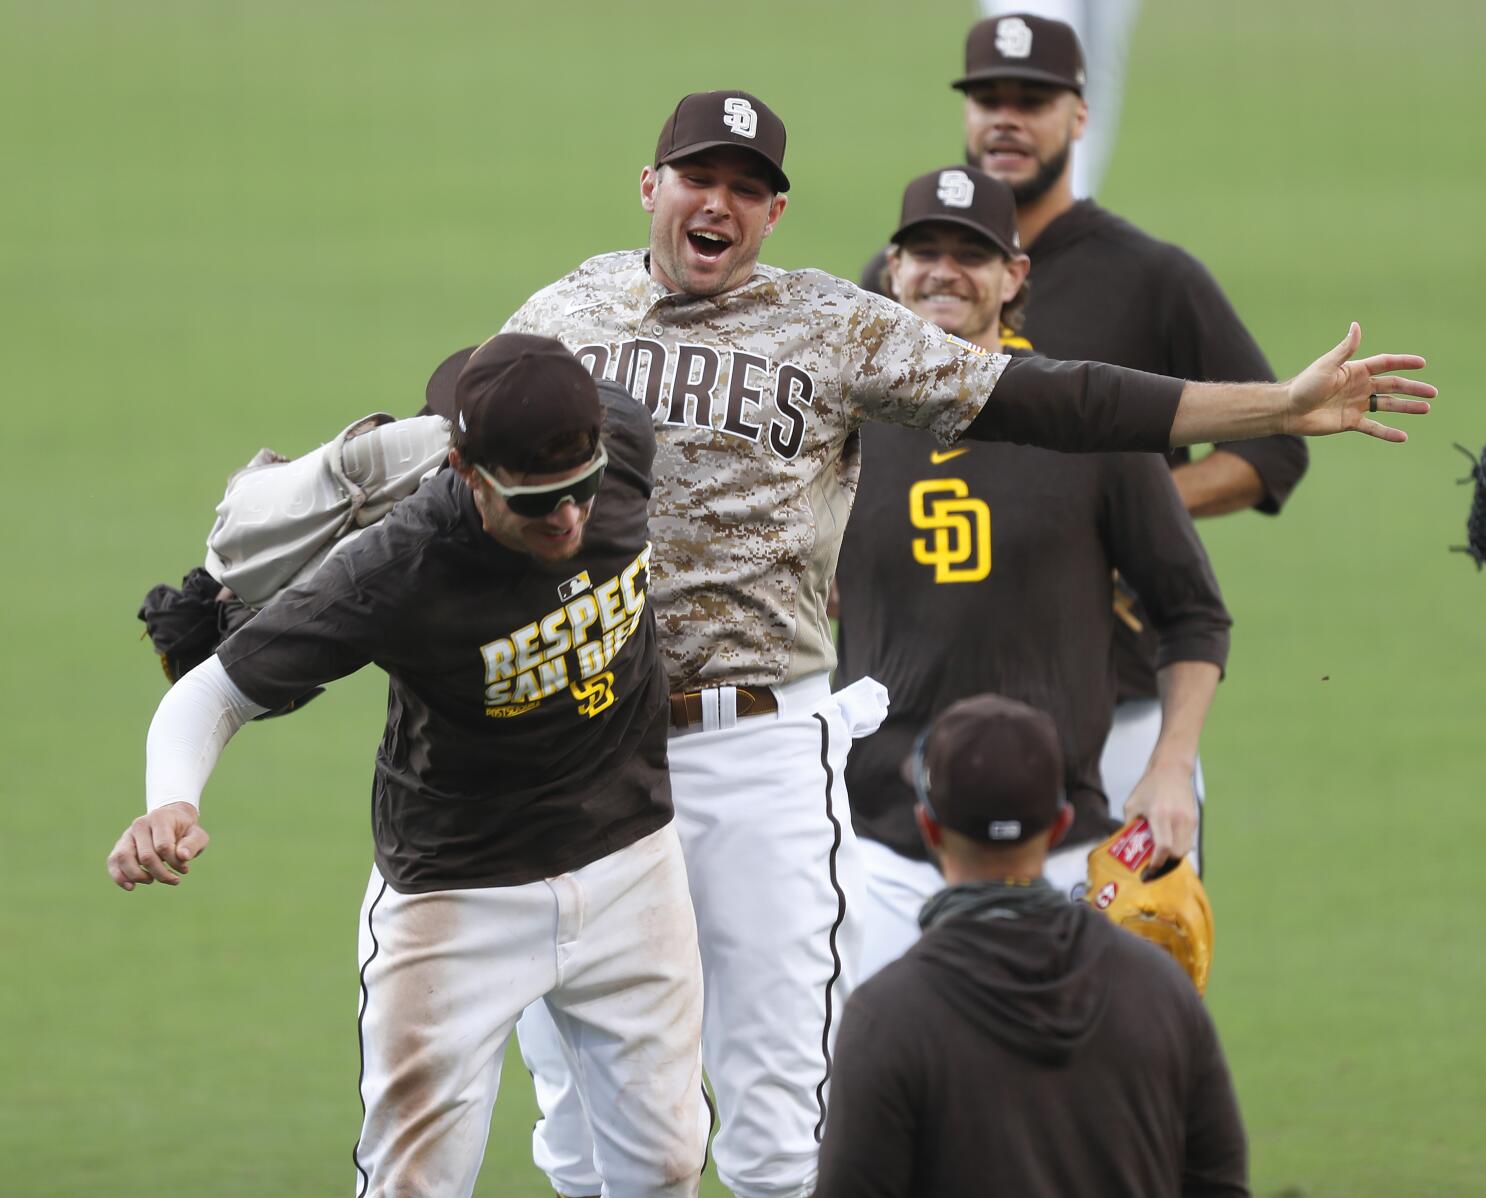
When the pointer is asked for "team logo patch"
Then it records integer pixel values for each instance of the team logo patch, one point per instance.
(1106, 895)
(1134, 848)
(968, 346)
(739, 116)
(1078, 891)
(575, 585)
(594, 695)
(955, 189)
(1013, 38)
(959, 547)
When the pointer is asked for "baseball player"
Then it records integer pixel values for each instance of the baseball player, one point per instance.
(1025, 1045)
(758, 381)
(1110, 293)
(987, 567)
(1104, 29)
(520, 807)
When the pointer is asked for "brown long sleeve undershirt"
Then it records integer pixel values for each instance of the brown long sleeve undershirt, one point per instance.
(1079, 407)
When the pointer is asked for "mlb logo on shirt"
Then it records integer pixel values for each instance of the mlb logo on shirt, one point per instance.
(575, 585)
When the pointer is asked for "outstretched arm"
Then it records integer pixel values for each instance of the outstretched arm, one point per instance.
(195, 719)
(1332, 395)
(1082, 407)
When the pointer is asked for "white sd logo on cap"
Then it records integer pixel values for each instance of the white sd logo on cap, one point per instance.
(955, 189)
(739, 116)
(1013, 38)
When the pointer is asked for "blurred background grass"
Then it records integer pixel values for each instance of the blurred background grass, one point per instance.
(226, 225)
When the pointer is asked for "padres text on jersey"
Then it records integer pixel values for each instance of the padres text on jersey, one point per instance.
(757, 396)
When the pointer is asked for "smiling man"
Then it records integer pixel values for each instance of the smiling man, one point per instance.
(758, 380)
(520, 808)
(988, 567)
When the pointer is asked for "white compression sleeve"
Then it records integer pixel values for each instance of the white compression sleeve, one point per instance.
(197, 717)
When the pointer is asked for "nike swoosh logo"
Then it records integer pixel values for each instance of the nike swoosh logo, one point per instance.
(939, 456)
(576, 308)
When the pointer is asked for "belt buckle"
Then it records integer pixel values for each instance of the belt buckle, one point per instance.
(705, 710)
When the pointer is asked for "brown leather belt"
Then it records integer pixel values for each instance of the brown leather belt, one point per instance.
(686, 706)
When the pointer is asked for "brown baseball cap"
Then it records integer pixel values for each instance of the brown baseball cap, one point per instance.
(438, 395)
(962, 195)
(1023, 46)
(517, 395)
(992, 769)
(729, 118)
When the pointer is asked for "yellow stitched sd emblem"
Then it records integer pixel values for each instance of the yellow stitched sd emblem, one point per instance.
(960, 548)
(594, 695)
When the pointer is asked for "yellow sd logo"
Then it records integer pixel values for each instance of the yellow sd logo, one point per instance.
(960, 549)
(594, 695)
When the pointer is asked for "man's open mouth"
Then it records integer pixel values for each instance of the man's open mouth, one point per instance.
(1007, 153)
(708, 244)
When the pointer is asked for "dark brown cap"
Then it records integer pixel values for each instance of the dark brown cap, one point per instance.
(992, 769)
(706, 119)
(962, 195)
(519, 395)
(438, 395)
(1021, 46)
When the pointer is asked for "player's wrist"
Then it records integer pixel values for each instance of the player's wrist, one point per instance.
(1172, 762)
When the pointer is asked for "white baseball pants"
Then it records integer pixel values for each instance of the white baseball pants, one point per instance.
(897, 889)
(777, 886)
(444, 976)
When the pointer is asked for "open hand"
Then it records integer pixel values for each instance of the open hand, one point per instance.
(1336, 395)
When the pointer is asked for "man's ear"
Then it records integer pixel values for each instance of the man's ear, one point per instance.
(776, 210)
(890, 271)
(1061, 823)
(1014, 276)
(1080, 118)
(929, 829)
(649, 181)
(460, 466)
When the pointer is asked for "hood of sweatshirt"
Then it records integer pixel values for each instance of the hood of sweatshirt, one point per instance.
(1024, 969)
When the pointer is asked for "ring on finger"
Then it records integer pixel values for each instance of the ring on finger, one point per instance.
(1372, 403)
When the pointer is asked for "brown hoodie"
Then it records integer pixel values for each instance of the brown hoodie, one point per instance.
(1029, 1047)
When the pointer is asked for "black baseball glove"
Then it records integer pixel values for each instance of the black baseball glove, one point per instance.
(188, 624)
(1475, 523)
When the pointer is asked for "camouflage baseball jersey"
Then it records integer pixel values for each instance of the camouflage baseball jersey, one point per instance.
(757, 395)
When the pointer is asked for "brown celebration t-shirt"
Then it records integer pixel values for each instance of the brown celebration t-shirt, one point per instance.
(526, 713)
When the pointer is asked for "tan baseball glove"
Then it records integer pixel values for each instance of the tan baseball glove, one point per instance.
(1168, 908)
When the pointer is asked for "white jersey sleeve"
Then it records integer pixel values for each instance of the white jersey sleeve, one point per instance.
(195, 720)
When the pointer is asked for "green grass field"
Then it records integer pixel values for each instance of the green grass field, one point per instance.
(227, 225)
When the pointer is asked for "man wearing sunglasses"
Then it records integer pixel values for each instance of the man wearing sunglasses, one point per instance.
(544, 513)
(521, 809)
